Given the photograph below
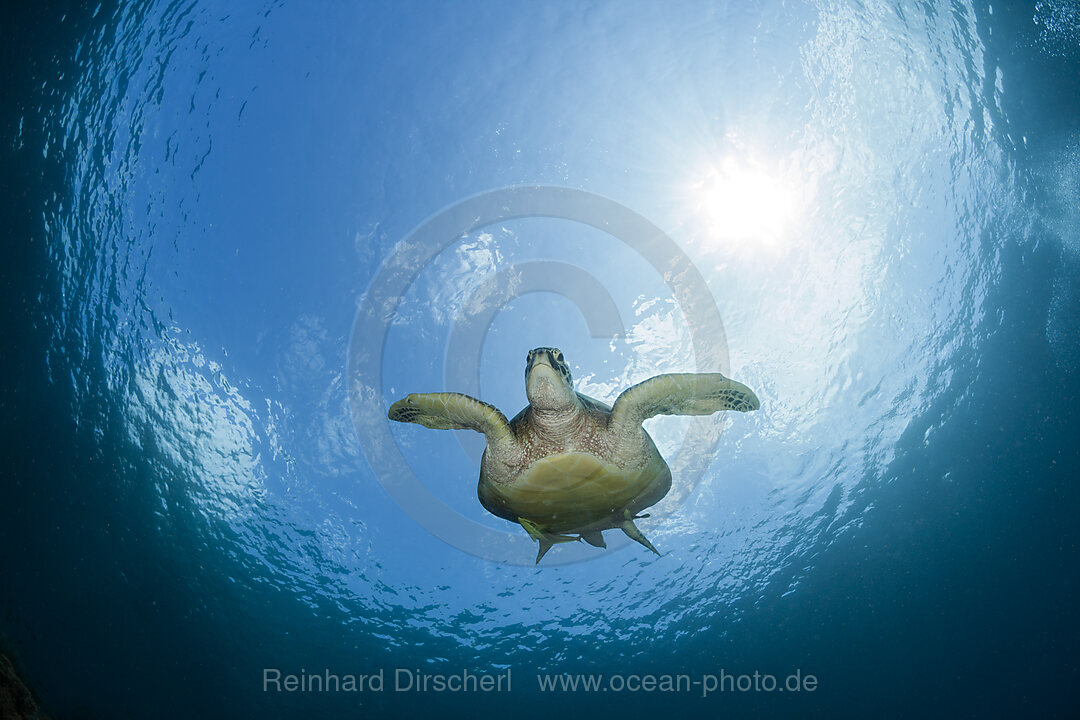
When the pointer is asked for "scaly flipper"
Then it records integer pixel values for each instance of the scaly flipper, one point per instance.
(451, 411)
(545, 539)
(680, 394)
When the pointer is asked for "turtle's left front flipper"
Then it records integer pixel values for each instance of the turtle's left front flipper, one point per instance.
(681, 394)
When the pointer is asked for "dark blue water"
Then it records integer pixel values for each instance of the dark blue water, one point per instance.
(871, 215)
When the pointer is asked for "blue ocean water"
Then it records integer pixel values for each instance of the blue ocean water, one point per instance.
(207, 209)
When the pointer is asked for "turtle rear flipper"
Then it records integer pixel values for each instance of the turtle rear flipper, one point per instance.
(628, 527)
(545, 539)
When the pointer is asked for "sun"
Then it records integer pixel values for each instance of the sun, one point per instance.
(738, 202)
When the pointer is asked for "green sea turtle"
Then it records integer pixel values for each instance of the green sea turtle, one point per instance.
(568, 467)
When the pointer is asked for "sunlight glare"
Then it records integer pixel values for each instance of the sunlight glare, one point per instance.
(740, 203)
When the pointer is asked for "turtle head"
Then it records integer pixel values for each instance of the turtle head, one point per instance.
(548, 382)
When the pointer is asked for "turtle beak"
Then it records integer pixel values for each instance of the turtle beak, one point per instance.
(537, 356)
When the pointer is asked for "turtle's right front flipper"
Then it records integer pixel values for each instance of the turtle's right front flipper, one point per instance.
(451, 411)
(680, 394)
